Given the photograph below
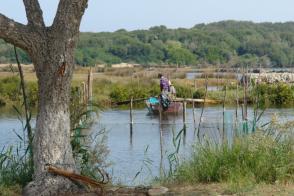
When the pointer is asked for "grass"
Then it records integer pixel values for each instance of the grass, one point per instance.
(15, 167)
(253, 159)
(10, 191)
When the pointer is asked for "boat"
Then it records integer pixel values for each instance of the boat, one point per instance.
(154, 106)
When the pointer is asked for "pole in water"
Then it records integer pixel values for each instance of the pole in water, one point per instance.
(184, 116)
(194, 119)
(131, 117)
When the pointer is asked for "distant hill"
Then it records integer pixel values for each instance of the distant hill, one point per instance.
(230, 43)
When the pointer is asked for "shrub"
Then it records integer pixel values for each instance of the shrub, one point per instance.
(281, 94)
(275, 94)
(255, 159)
(183, 91)
(199, 94)
(10, 90)
(15, 169)
(9, 87)
(119, 93)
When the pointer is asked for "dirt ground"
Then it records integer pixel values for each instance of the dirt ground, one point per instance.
(221, 189)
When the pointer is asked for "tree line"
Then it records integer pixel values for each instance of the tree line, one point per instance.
(230, 43)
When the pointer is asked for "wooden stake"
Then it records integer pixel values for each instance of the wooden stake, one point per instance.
(237, 97)
(203, 105)
(90, 85)
(184, 115)
(224, 109)
(194, 118)
(131, 116)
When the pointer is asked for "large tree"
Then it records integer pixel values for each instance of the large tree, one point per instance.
(51, 50)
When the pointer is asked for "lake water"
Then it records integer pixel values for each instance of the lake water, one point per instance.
(128, 153)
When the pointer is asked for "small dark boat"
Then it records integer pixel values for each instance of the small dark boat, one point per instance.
(154, 106)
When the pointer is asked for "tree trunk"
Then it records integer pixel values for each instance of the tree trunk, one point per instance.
(51, 145)
(51, 50)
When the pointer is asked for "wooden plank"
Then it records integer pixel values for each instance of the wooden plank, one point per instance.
(178, 99)
(195, 100)
(128, 101)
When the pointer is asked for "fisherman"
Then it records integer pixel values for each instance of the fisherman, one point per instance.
(164, 84)
(164, 95)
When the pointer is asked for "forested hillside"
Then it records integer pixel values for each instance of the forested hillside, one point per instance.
(230, 43)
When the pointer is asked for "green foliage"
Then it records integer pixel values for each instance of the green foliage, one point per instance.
(138, 90)
(14, 167)
(10, 190)
(120, 93)
(183, 91)
(199, 94)
(16, 163)
(234, 43)
(90, 159)
(257, 158)
(275, 94)
(10, 91)
(178, 55)
(9, 88)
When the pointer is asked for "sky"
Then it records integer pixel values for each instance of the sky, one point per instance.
(111, 15)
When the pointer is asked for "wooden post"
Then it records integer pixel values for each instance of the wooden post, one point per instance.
(194, 118)
(245, 83)
(217, 85)
(224, 109)
(160, 115)
(85, 87)
(161, 169)
(90, 85)
(184, 115)
(203, 105)
(131, 116)
(237, 96)
(83, 93)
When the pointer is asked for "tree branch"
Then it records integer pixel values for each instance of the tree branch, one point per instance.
(68, 17)
(14, 32)
(34, 13)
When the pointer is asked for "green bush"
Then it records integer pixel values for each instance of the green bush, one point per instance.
(10, 90)
(32, 93)
(127, 91)
(199, 94)
(119, 93)
(274, 94)
(183, 91)
(253, 159)
(281, 94)
(2, 102)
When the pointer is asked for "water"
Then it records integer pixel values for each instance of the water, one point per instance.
(127, 152)
(195, 75)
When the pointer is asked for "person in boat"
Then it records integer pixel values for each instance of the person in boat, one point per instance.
(172, 90)
(164, 95)
(164, 84)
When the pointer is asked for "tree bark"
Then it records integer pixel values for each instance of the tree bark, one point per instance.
(52, 137)
(51, 50)
(54, 63)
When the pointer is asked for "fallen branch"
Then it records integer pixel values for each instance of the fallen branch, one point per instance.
(77, 177)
